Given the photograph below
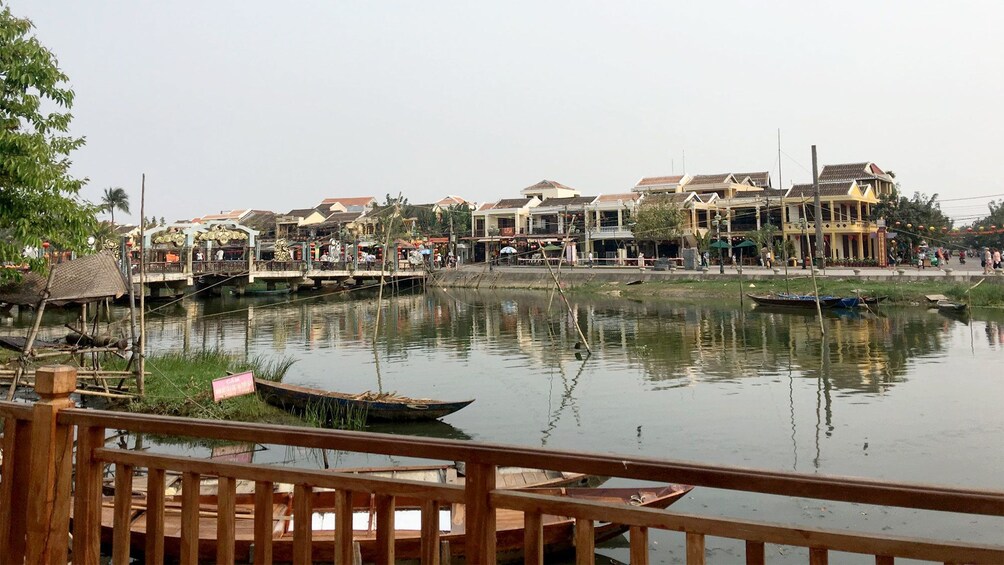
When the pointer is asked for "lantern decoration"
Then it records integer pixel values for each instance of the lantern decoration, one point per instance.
(943, 230)
(993, 227)
(982, 228)
(129, 243)
(45, 244)
(920, 227)
(909, 226)
(969, 229)
(931, 229)
(897, 222)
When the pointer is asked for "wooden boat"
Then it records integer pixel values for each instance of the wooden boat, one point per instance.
(558, 531)
(795, 301)
(371, 406)
(950, 306)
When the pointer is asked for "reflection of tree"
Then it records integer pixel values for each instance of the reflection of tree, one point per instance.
(674, 344)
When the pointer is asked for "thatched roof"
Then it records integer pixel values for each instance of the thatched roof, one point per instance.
(82, 280)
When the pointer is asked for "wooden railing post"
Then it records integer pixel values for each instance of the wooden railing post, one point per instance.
(13, 494)
(480, 516)
(87, 497)
(49, 480)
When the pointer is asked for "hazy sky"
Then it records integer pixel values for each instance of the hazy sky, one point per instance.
(277, 105)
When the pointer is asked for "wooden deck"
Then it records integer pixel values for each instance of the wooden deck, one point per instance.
(42, 472)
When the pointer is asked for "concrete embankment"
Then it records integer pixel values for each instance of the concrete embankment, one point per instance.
(539, 278)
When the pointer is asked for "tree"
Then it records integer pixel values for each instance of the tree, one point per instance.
(657, 219)
(115, 198)
(39, 198)
(983, 235)
(911, 219)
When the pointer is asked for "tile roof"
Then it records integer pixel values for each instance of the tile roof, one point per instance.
(720, 178)
(654, 181)
(225, 215)
(568, 201)
(301, 212)
(487, 206)
(449, 200)
(616, 197)
(758, 179)
(353, 201)
(853, 171)
(840, 188)
(513, 202)
(547, 184)
(343, 217)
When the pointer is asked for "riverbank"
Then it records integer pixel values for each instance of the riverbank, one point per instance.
(908, 288)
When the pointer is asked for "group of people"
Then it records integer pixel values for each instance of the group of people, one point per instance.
(200, 257)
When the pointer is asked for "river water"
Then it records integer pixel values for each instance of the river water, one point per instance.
(906, 394)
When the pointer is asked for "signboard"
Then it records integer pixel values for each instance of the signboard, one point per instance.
(236, 453)
(233, 385)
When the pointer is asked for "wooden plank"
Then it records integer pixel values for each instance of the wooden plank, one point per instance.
(639, 545)
(430, 532)
(755, 553)
(479, 541)
(263, 521)
(190, 518)
(782, 534)
(50, 475)
(225, 520)
(384, 528)
(695, 549)
(818, 556)
(16, 466)
(123, 510)
(302, 531)
(343, 527)
(585, 540)
(315, 478)
(533, 538)
(154, 554)
(930, 497)
(87, 498)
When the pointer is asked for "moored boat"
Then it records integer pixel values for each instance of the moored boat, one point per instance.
(369, 406)
(558, 531)
(795, 301)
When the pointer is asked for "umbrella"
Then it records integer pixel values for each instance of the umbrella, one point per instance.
(508, 250)
(720, 245)
(745, 243)
(551, 247)
(425, 251)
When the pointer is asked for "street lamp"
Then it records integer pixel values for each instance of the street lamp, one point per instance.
(718, 222)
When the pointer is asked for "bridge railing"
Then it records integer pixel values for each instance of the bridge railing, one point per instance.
(37, 484)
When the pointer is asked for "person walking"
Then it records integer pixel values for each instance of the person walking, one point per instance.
(987, 261)
(997, 259)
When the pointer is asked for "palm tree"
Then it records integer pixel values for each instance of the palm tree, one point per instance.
(115, 197)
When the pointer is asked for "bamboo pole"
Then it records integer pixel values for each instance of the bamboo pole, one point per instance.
(30, 340)
(585, 342)
(140, 388)
(812, 271)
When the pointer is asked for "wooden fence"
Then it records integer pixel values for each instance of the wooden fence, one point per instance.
(43, 477)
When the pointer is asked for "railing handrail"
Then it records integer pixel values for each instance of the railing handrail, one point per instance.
(823, 487)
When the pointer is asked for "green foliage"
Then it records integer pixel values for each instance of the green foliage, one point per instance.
(38, 196)
(114, 198)
(657, 219)
(920, 210)
(994, 218)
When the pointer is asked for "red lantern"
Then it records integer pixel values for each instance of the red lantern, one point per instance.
(920, 227)
(969, 230)
(129, 243)
(993, 227)
(45, 244)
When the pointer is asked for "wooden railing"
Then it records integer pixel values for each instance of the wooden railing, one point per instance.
(37, 481)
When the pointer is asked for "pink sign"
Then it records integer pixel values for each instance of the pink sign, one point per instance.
(233, 385)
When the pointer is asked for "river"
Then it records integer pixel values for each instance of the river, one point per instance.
(906, 394)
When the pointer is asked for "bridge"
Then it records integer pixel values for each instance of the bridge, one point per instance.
(47, 479)
(173, 277)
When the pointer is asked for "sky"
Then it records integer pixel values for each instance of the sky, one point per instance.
(277, 105)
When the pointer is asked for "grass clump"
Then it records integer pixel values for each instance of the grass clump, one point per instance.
(180, 384)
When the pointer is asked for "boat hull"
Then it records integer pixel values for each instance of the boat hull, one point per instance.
(298, 399)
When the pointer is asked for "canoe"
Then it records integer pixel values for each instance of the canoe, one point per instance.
(949, 306)
(558, 531)
(372, 407)
(795, 301)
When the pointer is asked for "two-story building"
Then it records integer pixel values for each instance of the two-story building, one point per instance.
(848, 231)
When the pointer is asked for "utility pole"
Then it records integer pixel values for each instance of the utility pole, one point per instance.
(820, 250)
